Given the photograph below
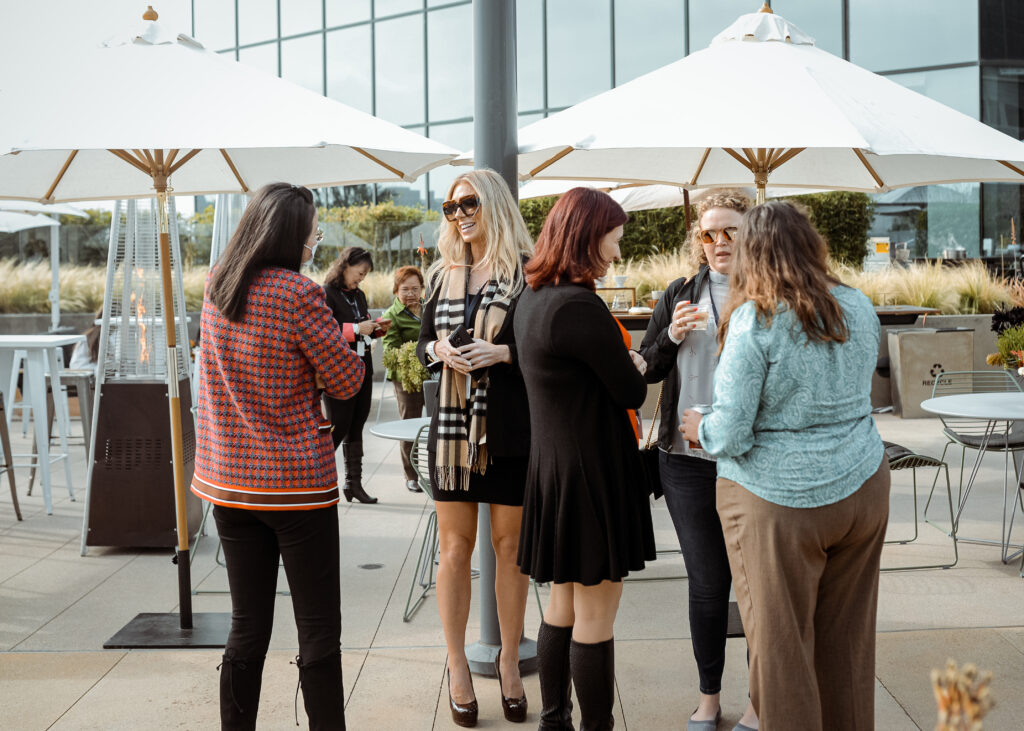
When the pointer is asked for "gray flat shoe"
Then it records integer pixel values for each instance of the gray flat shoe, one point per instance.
(692, 725)
(742, 727)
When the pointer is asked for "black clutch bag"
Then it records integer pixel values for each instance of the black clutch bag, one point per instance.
(649, 454)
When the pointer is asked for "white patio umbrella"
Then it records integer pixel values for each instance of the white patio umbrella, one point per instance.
(762, 104)
(53, 209)
(638, 197)
(11, 221)
(211, 124)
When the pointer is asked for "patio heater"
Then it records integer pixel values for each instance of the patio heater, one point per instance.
(130, 499)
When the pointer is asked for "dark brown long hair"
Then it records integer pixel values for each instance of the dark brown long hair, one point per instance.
(568, 248)
(350, 256)
(274, 227)
(782, 260)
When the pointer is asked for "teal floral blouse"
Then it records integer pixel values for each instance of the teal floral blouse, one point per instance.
(792, 419)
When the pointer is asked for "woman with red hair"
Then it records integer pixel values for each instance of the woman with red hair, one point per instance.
(586, 514)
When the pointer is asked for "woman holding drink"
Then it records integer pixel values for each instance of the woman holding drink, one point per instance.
(680, 348)
(803, 485)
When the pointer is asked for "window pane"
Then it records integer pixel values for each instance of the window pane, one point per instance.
(450, 64)
(525, 119)
(648, 35)
(400, 97)
(301, 16)
(1002, 202)
(530, 54)
(459, 136)
(262, 57)
(215, 23)
(912, 33)
(348, 67)
(382, 8)
(578, 70)
(708, 19)
(957, 88)
(257, 21)
(340, 12)
(928, 219)
(820, 19)
(302, 62)
(1002, 99)
(1001, 22)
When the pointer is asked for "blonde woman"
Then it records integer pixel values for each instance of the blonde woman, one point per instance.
(680, 349)
(480, 454)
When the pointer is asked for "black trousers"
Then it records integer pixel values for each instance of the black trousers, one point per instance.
(349, 416)
(307, 543)
(689, 487)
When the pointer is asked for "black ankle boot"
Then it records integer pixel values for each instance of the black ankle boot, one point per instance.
(593, 674)
(240, 684)
(323, 694)
(353, 452)
(555, 677)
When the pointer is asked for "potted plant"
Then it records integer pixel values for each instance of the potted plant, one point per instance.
(402, 361)
(1009, 328)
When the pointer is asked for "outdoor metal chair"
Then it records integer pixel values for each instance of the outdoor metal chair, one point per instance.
(978, 433)
(901, 458)
(7, 457)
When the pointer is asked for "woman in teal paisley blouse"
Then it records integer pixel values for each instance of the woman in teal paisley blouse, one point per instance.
(803, 486)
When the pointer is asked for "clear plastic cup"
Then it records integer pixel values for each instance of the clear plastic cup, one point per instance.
(703, 312)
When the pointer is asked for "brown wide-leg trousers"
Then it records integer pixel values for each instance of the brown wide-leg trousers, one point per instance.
(806, 580)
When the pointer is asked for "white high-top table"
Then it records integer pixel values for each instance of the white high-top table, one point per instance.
(993, 408)
(42, 355)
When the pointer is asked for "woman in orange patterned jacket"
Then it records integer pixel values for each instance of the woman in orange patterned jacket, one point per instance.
(264, 456)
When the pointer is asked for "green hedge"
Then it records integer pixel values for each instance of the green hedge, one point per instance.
(842, 218)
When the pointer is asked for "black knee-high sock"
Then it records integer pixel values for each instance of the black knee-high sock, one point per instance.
(555, 677)
(593, 674)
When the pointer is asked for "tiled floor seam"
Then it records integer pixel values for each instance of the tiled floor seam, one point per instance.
(39, 560)
(897, 702)
(75, 602)
(88, 690)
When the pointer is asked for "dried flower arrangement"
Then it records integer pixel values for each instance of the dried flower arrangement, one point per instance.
(963, 697)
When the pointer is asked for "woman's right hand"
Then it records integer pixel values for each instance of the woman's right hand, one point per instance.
(451, 357)
(683, 319)
(366, 327)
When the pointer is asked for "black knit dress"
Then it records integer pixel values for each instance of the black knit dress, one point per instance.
(586, 513)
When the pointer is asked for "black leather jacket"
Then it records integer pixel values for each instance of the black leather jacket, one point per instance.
(660, 352)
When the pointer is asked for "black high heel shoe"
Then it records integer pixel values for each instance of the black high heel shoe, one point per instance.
(463, 714)
(514, 708)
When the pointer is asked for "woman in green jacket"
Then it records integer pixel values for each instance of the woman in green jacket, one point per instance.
(404, 314)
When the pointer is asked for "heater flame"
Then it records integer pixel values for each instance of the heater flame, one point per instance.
(140, 312)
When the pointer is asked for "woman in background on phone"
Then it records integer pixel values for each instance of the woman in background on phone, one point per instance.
(680, 348)
(405, 315)
(803, 483)
(348, 303)
(480, 454)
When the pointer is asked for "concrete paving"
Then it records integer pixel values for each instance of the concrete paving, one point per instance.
(57, 609)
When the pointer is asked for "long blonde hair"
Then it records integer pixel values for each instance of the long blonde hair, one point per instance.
(508, 240)
(734, 200)
(782, 260)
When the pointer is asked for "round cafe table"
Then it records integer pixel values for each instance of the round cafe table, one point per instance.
(993, 408)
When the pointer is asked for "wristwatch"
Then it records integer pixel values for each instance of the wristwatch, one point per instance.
(430, 351)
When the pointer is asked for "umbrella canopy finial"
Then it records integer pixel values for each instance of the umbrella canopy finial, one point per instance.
(766, 8)
(151, 14)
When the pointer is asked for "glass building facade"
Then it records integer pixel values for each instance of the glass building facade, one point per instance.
(411, 62)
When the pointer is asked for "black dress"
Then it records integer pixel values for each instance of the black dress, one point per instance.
(508, 421)
(349, 415)
(586, 513)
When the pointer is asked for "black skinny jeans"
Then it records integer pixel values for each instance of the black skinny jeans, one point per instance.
(307, 543)
(689, 487)
(349, 416)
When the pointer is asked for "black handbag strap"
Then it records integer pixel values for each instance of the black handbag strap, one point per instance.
(654, 419)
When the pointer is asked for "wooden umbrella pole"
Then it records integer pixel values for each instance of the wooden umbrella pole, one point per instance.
(173, 398)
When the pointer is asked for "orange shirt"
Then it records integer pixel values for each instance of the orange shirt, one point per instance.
(634, 416)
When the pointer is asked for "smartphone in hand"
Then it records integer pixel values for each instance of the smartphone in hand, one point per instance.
(382, 324)
(460, 336)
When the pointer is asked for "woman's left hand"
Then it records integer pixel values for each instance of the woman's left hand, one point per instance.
(638, 361)
(691, 420)
(481, 353)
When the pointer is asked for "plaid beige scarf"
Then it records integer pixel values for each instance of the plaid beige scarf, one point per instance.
(462, 401)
